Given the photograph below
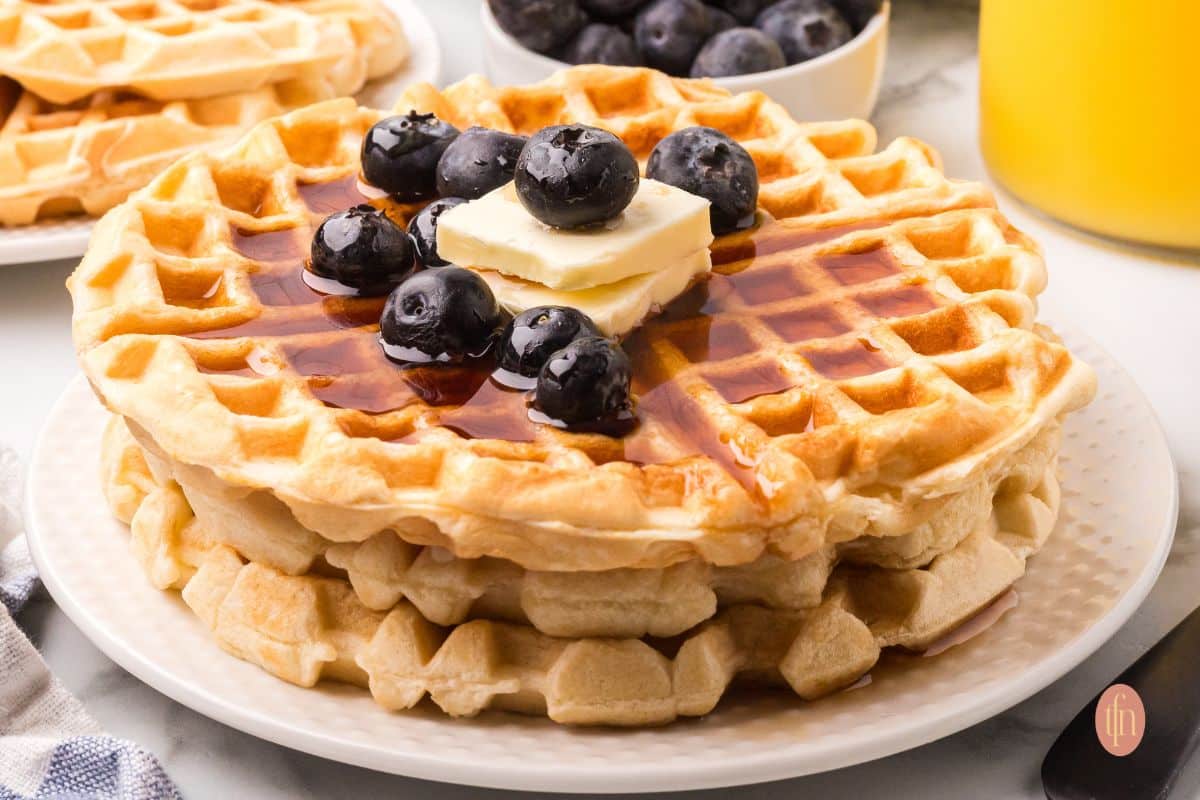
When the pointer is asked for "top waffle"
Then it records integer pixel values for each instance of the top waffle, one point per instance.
(63, 50)
(853, 362)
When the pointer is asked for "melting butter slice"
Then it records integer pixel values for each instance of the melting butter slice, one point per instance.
(661, 227)
(616, 308)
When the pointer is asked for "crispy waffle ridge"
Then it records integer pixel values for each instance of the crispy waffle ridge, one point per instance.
(86, 157)
(447, 590)
(875, 260)
(65, 50)
(314, 626)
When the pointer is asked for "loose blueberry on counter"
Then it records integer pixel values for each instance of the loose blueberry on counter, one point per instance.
(671, 32)
(423, 230)
(540, 25)
(738, 51)
(611, 9)
(804, 28)
(586, 381)
(535, 334)
(362, 248)
(400, 154)
(572, 176)
(440, 315)
(744, 11)
(602, 44)
(858, 12)
(706, 162)
(477, 162)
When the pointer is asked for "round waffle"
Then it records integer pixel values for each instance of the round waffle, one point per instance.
(65, 50)
(446, 590)
(317, 625)
(86, 157)
(864, 354)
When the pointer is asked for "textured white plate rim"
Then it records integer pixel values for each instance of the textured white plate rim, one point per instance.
(68, 238)
(773, 762)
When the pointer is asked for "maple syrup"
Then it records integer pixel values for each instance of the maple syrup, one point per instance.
(330, 197)
(331, 338)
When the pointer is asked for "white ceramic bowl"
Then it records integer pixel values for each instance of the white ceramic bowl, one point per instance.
(841, 84)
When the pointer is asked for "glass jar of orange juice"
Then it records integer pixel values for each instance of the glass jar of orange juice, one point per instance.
(1090, 111)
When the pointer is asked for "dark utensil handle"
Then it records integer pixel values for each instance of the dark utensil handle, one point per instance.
(1167, 678)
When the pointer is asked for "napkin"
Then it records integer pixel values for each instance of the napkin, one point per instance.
(49, 746)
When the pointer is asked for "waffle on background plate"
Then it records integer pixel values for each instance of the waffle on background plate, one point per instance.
(847, 435)
(98, 96)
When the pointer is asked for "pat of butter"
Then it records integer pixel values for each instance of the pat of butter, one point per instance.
(661, 226)
(616, 308)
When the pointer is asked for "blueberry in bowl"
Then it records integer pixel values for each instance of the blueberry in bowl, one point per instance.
(477, 161)
(611, 9)
(587, 381)
(363, 250)
(540, 25)
(400, 154)
(534, 335)
(442, 315)
(705, 162)
(738, 51)
(720, 20)
(423, 230)
(744, 11)
(669, 33)
(805, 29)
(575, 176)
(599, 43)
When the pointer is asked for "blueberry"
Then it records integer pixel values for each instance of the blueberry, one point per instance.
(671, 32)
(720, 20)
(585, 381)
(858, 12)
(423, 230)
(602, 44)
(535, 334)
(540, 25)
(478, 161)
(443, 314)
(363, 249)
(400, 154)
(706, 162)
(571, 176)
(743, 10)
(738, 51)
(804, 28)
(611, 9)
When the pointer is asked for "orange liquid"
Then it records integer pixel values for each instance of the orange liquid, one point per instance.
(1090, 110)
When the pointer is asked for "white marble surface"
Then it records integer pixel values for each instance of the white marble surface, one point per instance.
(1145, 308)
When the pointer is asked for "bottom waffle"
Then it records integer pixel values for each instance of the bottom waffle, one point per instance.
(384, 569)
(308, 627)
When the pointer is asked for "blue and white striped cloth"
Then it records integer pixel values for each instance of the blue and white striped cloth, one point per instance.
(50, 748)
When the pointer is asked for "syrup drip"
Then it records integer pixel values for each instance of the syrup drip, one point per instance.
(332, 339)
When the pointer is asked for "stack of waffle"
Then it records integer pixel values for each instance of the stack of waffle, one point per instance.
(847, 437)
(98, 96)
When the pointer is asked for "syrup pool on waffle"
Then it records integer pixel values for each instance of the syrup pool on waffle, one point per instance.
(774, 304)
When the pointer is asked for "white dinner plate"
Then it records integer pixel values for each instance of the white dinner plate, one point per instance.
(68, 238)
(1118, 517)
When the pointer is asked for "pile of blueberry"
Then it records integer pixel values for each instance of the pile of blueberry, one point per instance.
(567, 176)
(696, 38)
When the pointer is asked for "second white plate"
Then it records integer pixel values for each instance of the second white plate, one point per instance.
(68, 238)
(1119, 511)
